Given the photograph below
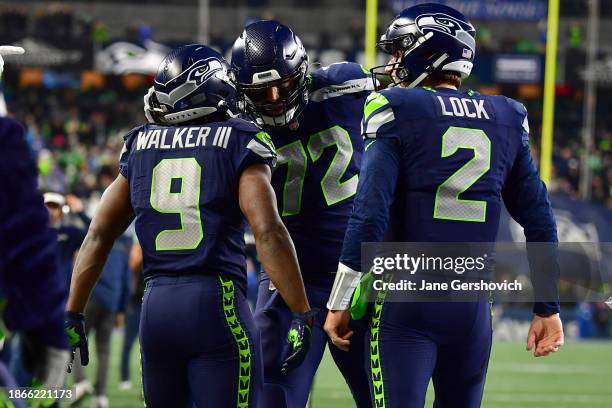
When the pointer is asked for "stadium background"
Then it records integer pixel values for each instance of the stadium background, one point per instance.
(79, 89)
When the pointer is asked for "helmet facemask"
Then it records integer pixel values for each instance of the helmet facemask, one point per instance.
(401, 48)
(277, 102)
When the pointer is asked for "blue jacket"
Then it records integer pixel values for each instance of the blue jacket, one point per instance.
(113, 288)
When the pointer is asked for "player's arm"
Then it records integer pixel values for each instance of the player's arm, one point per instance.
(278, 257)
(368, 223)
(375, 193)
(274, 245)
(112, 217)
(526, 199)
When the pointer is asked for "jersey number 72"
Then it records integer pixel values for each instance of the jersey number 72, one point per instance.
(295, 157)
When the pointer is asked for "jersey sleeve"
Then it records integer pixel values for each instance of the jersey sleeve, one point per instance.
(526, 199)
(33, 286)
(343, 78)
(378, 120)
(125, 151)
(257, 148)
(377, 182)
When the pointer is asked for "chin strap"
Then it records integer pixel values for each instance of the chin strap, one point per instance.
(437, 63)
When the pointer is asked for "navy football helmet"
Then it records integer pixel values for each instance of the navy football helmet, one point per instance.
(270, 66)
(426, 38)
(192, 82)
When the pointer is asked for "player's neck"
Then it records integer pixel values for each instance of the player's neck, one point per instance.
(445, 85)
(439, 84)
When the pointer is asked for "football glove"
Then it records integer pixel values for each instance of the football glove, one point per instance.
(298, 340)
(75, 329)
(360, 301)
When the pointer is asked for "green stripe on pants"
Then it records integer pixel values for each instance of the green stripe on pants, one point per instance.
(378, 389)
(242, 342)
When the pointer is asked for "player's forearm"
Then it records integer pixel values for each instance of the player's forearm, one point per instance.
(87, 269)
(527, 200)
(279, 260)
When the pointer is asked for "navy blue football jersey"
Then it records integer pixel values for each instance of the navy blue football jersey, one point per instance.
(35, 290)
(439, 165)
(184, 192)
(318, 165)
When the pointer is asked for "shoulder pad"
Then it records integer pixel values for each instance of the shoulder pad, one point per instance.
(338, 79)
(244, 125)
(132, 132)
(336, 74)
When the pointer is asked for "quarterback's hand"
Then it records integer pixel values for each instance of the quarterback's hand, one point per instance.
(337, 328)
(8, 50)
(298, 340)
(75, 329)
(546, 334)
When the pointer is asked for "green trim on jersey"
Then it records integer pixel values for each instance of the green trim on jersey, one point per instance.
(242, 342)
(378, 386)
(374, 101)
(265, 138)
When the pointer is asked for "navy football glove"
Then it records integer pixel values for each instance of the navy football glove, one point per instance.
(298, 340)
(75, 329)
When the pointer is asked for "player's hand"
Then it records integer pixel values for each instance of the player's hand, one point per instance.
(298, 340)
(74, 203)
(75, 329)
(337, 328)
(546, 334)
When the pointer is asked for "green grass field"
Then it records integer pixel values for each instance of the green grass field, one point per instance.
(580, 375)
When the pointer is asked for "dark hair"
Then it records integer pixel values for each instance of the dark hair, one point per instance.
(438, 77)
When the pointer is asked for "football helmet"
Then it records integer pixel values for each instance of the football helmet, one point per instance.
(270, 66)
(192, 82)
(427, 38)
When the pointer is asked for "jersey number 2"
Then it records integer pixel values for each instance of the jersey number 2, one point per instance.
(448, 205)
(185, 201)
(294, 156)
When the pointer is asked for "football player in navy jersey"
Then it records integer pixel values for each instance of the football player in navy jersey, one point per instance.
(189, 184)
(444, 161)
(32, 288)
(314, 120)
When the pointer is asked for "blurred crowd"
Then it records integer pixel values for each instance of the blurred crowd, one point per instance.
(77, 137)
(56, 23)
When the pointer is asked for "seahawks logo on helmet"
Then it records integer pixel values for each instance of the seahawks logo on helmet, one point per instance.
(195, 75)
(203, 69)
(448, 25)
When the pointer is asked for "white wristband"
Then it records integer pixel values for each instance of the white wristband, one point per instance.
(345, 283)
